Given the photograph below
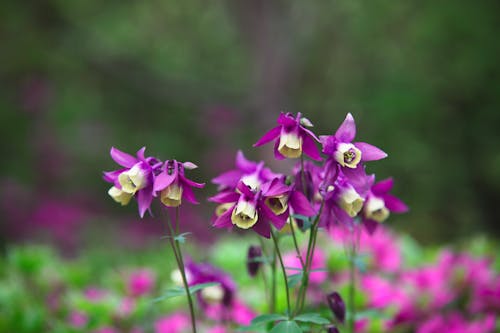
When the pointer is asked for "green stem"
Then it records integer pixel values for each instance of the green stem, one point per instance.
(352, 281)
(180, 263)
(283, 270)
(296, 244)
(310, 250)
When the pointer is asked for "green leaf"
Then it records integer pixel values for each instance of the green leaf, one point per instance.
(314, 318)
(311, 271)
(288, 326)
(179, 291)
(262, 259)
(294, 279)
(265, 318)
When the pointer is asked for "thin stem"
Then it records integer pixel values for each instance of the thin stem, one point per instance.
(303, 175)
(180, 262)
(296, 244)
(310, 250)
(284, 271)
(352, 281)
(272, 297)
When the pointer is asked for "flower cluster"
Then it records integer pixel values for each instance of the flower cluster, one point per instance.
(339, 189)
(144, 177)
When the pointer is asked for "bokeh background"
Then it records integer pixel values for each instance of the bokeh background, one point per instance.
(197, 80)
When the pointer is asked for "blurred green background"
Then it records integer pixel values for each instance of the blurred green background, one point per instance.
(196, 80)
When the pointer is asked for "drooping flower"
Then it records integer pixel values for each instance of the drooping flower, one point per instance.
(173, 186)
(345, 154)
(135, 179)
(251, 173)
(379, 204)
(293, 138)
(257, 208)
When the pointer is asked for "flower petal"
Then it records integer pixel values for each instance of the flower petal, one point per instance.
(190, 182)
(144, 198)
(329, 143)
(140, 153)
(244, 164)
(309, 148)
(163, 180)
(262, 228)
(122, 158)
(112, 176)
(287, 120)
(224, 221)
(370, 225)
(225, 197)
(394, 204)
(369, 152)
(277, 154)
(187, 193)
(278, 221)
(274, 188)
(347, 130)
(229, 178)
(269, 136)
(383, 186)
(301, 205)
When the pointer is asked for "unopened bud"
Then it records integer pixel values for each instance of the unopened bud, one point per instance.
(333, 329)
(253, 263)
(336, 304)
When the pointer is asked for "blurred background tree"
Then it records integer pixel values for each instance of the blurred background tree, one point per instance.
(196, 80)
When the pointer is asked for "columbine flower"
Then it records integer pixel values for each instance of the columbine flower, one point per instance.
(379, 203)
(135, 179)
(173, 186)
(293, 138)
(346, 154)
(256, 209)
(251, 173)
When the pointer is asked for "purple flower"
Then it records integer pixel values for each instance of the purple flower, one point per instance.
(255, 209)
(293, 138)
(251, 173)
(134, 180)
(346, 154)
(379, 204)
(173, 186)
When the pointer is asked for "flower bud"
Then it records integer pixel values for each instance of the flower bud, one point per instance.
(336, 304)
(333, 329)
(253, 265)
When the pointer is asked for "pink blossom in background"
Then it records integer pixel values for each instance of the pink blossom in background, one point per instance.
(290, 259)
(242, 314)
(174, 323)
(78, 319)
(126, 307)
(217, 329)
(140, 282)
(95, 294)
(456, 323)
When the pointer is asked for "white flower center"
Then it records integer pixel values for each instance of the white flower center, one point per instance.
(277, 204)
(133, 180)
(290, 145)
(244, 215)
(375, 209)
(350, 201)
(119, 196)
(347, 155)
(172, 195)
(213, 294)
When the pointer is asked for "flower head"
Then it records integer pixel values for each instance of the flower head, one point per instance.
(173, 186)
(337, 305)
(379, 204)
(293, 138)
(135, 179)
(346, 154)
(257, 209)
(253, 265)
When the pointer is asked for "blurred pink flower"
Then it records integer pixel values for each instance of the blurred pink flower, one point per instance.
(106, 329)
(173, 323)
(140, 282)
(218, 329)
(291, 260)
(95, 294)
(78, 319)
